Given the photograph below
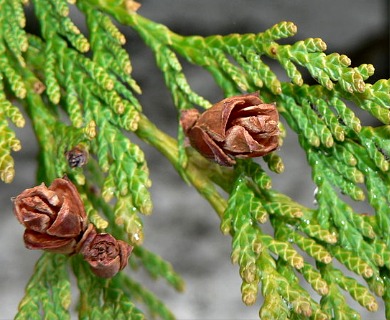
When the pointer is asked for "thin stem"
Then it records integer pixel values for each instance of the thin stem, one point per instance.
(148, 132)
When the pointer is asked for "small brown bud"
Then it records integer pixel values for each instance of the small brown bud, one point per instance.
(105, 254)
(236, 127)
(77, 156)
(54, 217)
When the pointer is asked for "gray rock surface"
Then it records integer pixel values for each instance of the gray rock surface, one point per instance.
(183, 228)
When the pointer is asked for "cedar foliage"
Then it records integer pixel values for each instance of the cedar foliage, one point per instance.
(79, 90)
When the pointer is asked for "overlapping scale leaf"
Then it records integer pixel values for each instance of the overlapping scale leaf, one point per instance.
(73, 105)
(284, 250)
(126, 215)
(325, 172)
(351, 229)
(18, 12)
(117, 303)
(377, 187)
(299, 120)
(274, 307)
(10, 111)
(330, 119)
(239, 201)
(318, 125)
(254, 79)
(226, 73)
(315, 105)
(360, 293)
(372, 146)
(96, 72)
(238, 214)
(48, 291)
(8, 140)
(345, 114)
(378, 198)
(312, 248)
(344, 155)
(53, 89)
(315, 230)
(229, 69)
(98, 96)
(126, 310)
(282, 206)
(336, 166)
(269, 279)
(348, 172)
(274, 162)
(322, 67)
(92, 213)
(292, 71)
(298, 300)
(246, 243)
(379, 136)
(283, 29)
(334, 303)
(352, 261)
(8, 70)
(315, 279)
(287, 271)
(127, 179)
(213, 53)
(376, 100)
(54, 19)
(257, 174)
(131, 175)
(13, 37)
(98, 81)
(61, 7)
(106, 41)
(176, 80)
(265, 73)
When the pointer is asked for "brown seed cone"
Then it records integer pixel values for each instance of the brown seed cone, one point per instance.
(54, 217)
(236, 127)
(105, 254)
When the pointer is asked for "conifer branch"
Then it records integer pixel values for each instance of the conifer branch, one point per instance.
(74, 99)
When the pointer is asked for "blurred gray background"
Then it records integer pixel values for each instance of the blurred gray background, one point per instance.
(183, 228)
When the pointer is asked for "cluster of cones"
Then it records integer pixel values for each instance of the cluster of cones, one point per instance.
(56, 221)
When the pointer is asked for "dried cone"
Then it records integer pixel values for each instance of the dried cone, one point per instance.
(55, 221)
(105, 254)
(236, 127)
(54, 217)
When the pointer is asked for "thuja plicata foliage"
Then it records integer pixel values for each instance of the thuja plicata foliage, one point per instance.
(83, 104)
